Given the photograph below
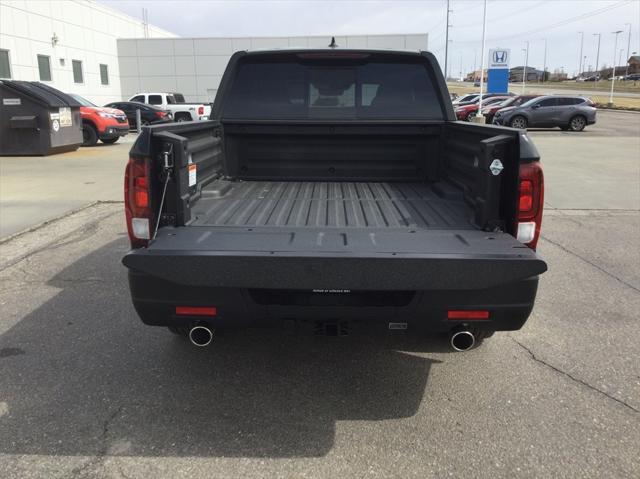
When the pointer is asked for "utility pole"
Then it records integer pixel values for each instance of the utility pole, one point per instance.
(544, 64)
(479, 117)
(446, 43)
(524, 69)
(460, 66)
(580, 60)
(613, 73)
(597, 57)
(626, 71)
(448, 74)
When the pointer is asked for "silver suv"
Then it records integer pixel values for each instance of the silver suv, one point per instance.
(567, 112)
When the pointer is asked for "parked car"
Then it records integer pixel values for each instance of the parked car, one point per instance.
(98, 123)
(180, 111)
(567, 112)
(632, 77)
(485, 96)
(149, 115)
(491, 110)
(386, 212)
(464, 112)
(465, 98)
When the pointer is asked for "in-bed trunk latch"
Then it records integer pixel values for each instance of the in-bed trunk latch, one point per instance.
(496, 167)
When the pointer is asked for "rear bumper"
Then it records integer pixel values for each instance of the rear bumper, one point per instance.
(509, 306)
(253, 282)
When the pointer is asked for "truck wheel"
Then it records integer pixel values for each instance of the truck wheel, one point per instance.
(110, 141)
(89, 135)
(577, 123)
(182, 117)
(518, 121)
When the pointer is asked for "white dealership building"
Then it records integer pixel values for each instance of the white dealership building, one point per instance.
(81, 46)
(71, 45)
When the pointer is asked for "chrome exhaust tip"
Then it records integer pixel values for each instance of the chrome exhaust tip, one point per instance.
(200, 336)
(462, 340)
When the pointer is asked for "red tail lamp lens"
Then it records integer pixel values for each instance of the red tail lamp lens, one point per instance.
(196, 310)
(467, 314)
(526, 196)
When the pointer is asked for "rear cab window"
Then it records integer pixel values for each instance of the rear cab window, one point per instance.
(363, 87)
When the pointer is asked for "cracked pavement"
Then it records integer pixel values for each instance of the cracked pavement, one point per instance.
(88, 391)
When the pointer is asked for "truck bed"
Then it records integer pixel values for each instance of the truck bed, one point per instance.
(377, 205)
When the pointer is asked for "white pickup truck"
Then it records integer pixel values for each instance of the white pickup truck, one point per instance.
(181, 111)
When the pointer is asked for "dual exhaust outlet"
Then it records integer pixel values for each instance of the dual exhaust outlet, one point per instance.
(201, 336)
(460, 339)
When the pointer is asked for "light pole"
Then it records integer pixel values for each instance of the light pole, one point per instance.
(584, 63)
(524, 69)
(620, 56)
(544, 64)
(613, 74)
(597, 57)
(580, 60)
(626, 71)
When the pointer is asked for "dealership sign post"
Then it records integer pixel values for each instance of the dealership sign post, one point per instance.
(498, 73)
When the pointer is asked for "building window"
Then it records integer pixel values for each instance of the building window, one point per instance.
(5, 65)
(44, 67)
(104, 74)
(77, 71)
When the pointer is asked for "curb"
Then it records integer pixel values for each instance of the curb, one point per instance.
(30, 229)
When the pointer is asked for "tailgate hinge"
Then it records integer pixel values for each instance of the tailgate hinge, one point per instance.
(167, 156)
(167, 166)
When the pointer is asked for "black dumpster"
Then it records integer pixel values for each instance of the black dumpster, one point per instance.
(36, 119)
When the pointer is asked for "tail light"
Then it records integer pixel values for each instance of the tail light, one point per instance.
(467, 314)
(161, 114)
(530, 203)
(137, 201)
(201, 110)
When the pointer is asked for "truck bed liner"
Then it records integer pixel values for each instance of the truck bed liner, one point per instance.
(332, 204)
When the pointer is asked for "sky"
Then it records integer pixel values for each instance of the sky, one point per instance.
(510, 24)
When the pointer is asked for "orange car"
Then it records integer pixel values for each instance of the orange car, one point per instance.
(98, 123)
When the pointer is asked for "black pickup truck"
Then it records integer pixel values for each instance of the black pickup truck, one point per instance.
(333, 190)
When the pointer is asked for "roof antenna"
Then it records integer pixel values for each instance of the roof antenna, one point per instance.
(333, 43)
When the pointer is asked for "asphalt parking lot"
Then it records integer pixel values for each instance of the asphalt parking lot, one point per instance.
(88, 391)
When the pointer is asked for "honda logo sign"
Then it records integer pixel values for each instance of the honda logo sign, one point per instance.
(499, 58)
